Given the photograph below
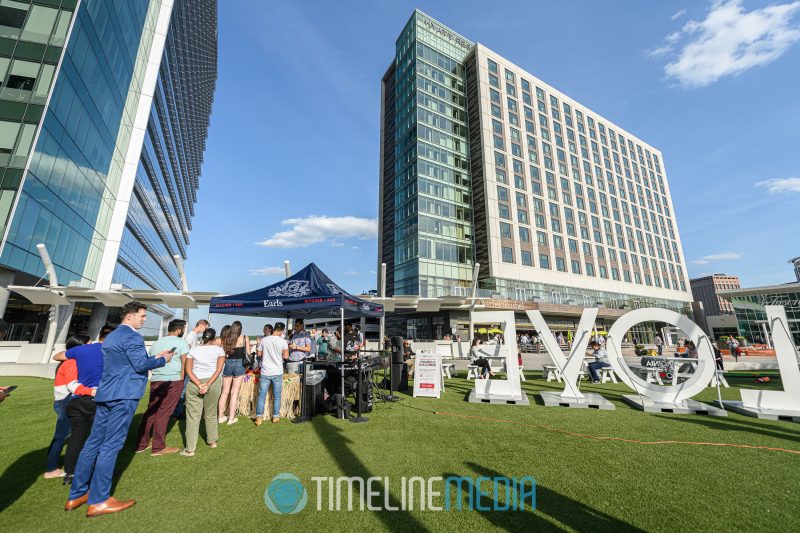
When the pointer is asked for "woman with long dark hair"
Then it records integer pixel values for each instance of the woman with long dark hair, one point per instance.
(477, 360)
(236, 346)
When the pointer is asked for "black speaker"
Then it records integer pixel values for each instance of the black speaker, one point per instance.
(397, 349)
(399, 377)
(312, 399)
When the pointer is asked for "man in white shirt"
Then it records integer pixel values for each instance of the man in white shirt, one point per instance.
(600, 360)
(273, 350)
(193, 337)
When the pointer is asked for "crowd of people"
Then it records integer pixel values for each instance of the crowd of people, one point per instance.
(195, 375)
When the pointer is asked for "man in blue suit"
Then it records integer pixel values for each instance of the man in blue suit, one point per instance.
(125, 368)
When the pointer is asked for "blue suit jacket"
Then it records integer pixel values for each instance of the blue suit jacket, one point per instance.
(125, 366)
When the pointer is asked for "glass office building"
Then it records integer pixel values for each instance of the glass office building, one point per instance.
(104, 112)
(483, 162)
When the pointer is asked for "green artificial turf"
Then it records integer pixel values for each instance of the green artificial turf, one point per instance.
(583, 484)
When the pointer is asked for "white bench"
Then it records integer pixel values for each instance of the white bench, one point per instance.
(551, 372)
(606, 374)
(652, 373)
(446, 370)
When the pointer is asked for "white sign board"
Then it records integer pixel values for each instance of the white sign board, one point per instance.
(428, 375)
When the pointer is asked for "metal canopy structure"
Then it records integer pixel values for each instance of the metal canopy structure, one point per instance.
(62, 295)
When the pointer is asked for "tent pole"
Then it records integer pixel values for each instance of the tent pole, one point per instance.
(341, 395)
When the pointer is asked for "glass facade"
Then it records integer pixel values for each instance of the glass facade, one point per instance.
(90, 165)
(432, 205)
(752, 317)
(74, 173)
(167, 177)
(32, 37)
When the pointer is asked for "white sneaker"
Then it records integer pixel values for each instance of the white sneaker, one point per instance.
(232, 421)
(222, 419)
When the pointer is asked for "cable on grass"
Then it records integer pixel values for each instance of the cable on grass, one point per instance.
(619, 439)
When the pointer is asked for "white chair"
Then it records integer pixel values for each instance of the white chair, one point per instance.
(521, 373)
(473, 372)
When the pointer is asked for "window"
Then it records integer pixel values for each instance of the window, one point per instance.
(40, 24)
(8, 135)
(493, 81)
(544, 261)
(541, 238)
(576, 266)
(527, 260)
(504, 211)
(492, 65)
(508, 255)
(505, 230)
(502, 194)
(589, 269)
(13, 16)
(522, 216)
(558, 242)
(23, 75)
(524, 234)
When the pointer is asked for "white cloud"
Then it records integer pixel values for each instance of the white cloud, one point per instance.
(706, 259)
(315, 229)
(729, 41)
(351, 273)
(336, 244)
(267, 271)
(780, 185)
(678, 14)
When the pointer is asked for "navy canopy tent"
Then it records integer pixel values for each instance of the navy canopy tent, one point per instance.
(307, 294)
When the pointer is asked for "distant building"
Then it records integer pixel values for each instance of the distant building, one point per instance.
(796, 263)
(752, 317)
(706, 290)
(750, 313)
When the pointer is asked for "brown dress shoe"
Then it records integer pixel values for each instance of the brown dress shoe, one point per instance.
(111, 505)
(165, 451)
(71, 505)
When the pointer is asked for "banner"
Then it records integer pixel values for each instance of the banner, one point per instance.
(428, 375)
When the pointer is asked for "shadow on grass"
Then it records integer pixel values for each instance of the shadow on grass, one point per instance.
(337, 443)
(549, 503)
(732, 424)
(19, 476)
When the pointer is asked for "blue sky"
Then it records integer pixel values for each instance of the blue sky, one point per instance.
(294, 133)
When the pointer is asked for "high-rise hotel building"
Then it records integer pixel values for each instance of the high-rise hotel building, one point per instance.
(483, 162)
(104, 112)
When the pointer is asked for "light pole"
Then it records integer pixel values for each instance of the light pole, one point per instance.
(184, 284)
(53, 319)
(473, 300)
